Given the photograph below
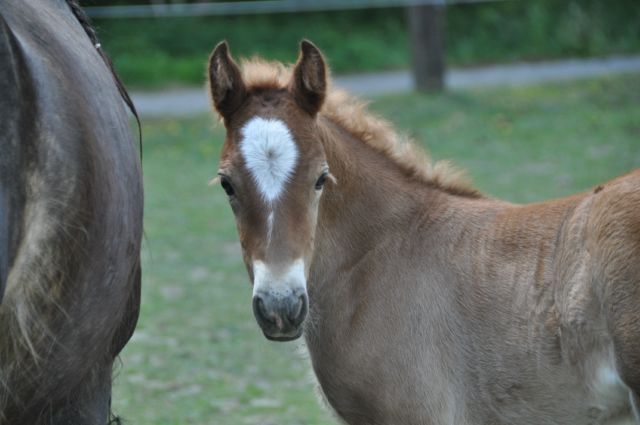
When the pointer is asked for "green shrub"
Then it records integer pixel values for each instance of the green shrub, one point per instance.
(151, 52)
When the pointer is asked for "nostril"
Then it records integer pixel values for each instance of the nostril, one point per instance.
(299, 311)
(260, 310)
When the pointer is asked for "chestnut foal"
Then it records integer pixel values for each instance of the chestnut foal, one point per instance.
(428, 303)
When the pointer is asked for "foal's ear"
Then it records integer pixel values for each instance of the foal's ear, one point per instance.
(225, 81)
(309, 81)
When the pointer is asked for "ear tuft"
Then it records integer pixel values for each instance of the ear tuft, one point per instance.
(225, 81)
(309, 80)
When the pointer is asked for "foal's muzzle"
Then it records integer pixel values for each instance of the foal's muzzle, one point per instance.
(281, 316)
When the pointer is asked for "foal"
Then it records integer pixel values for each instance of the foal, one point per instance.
(428, 302)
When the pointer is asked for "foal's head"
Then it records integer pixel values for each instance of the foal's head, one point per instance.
(273, 169)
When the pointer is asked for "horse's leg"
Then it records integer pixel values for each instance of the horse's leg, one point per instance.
(635, 405)
(91, 405)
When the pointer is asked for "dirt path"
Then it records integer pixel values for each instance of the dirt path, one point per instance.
(191, 101)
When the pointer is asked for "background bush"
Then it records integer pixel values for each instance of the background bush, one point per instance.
(152, 52)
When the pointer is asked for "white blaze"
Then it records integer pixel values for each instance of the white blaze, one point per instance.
(269, 227)
(269, 153)
(281, 283)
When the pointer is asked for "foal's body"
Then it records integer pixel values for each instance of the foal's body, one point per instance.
(428, 303)
(474, 311)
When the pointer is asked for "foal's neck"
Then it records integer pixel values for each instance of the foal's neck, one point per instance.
(374, 199)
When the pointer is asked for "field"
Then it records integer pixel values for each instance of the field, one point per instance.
(198, 357)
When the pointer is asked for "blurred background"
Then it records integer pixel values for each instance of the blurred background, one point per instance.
(156, 51)
(536, 99)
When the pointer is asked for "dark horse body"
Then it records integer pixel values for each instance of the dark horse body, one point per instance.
(70, 219)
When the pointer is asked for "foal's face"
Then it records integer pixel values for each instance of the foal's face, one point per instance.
(273, 169)
(274, 174)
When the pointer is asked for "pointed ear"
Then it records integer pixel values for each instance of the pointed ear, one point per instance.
(225, 81)
(309, 80)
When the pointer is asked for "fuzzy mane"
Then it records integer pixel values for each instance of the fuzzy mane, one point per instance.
(352, 114)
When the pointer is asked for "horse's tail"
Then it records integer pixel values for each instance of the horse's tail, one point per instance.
(635, 405)
(85, 22)
(6, 74)
(14, 87)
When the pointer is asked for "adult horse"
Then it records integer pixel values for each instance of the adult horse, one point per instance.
(70, 218)
(428, 302)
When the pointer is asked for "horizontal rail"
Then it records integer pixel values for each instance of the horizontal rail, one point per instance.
(255, 7)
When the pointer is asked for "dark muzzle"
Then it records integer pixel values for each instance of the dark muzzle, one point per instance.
(280, 317)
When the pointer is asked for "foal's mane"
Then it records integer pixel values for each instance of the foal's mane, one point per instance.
(351, 114)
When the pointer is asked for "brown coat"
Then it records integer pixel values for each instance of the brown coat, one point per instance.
(428, 302)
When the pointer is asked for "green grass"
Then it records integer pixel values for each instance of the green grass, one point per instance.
(156, 52)
(198, 357)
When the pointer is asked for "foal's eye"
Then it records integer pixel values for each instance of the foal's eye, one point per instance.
(321, 180)
(226, 185)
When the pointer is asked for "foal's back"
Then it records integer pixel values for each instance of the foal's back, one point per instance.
(548, 297)
(493, 313)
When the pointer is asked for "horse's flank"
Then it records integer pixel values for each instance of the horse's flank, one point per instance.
(71, 201)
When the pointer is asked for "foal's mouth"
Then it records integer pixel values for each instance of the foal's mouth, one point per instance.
(283, 338)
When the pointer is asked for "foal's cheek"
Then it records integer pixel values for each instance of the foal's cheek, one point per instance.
(246, 256)
(245, 239)
(247, 263)
(234, 208)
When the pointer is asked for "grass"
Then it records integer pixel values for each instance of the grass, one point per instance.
(198, 357)
(156, 52)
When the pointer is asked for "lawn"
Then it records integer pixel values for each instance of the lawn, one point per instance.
(198, 357)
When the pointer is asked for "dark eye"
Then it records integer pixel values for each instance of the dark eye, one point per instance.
(226, 185)
(321, 180)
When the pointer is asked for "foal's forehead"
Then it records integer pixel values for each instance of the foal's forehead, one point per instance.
(269, 153)
(271, 105)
